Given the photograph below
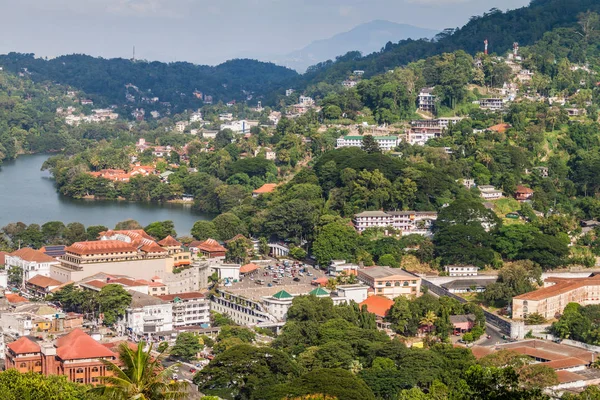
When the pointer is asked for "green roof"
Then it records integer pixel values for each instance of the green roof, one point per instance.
(282, 295)
(319, 292)
(374, 137)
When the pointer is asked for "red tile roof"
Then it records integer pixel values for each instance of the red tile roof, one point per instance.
(563, 287)
(24, 345)
(568, 362)
(96, 283)
(31, 255)
(170, 242)
(78, 345)
(43, 281)
(377, 305)
(245, 269)
(566, 376)
(211, 245)
(321, 281)
(523, 189)
(101, 247)
(480, 351)
(152, 248)
(2, 255)
(266, 188)
(183, 296)
(15, 298)
(500, 128)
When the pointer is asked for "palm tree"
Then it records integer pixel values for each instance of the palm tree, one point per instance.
(141, 377)
(428, 320)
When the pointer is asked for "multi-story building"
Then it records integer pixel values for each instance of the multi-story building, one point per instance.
(489, 192)
(77, 356)
(133, 251)
(390, 282)
(189, 309)
(552, 299)
(419, 136)
(426, 100)
(33, 262)
(493, 104)
(461, 270)
(409, 222)
(386, 143)
(147, 315)
(340, 267)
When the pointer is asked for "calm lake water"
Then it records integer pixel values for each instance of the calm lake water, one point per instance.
(28, 195)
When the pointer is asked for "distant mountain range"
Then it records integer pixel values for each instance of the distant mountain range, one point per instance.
(366, 38)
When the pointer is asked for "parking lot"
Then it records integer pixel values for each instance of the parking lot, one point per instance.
(294, 281)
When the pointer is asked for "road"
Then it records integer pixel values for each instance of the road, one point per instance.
(183, 369)
(495, 336)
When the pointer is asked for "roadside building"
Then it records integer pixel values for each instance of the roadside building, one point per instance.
(390, 282)
(189, 309)
(462, 323)
(148, 315)
(41, 286)
(468, 285)
(461, 270)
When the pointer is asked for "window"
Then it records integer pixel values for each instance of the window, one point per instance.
(22, 365)
(405, 283)
(95, 369)
(79, 380)
(38, 364)
(79, 371)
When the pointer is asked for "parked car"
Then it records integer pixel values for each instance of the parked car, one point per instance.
(193, 370)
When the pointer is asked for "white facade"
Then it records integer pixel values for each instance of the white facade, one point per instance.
(357, 293)
(196, 117)
(489, 192)
(494, 104)
(226, 271)
(409, 222)
(306, 101)
(461, 270)
(420, 137)
(30, 268)
(148, 315)
(242, 126)
(339, 267)
(426, 100)
(386, 143)
(189, 309)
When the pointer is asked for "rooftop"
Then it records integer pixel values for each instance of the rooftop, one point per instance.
(181, 296)
(371, 214)
(385, 272)
(100, 247)
(281, 295)
(31, 255)
(565, 286)
(169, 241)
(245, 269)
(266, 188)
(211, 245)
(140, 300)
(24, 345)
(377, 305)
(43, 281)
(79, 345)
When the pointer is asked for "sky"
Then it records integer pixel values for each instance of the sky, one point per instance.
(209, 31)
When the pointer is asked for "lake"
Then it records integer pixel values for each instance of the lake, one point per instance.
(28, 195)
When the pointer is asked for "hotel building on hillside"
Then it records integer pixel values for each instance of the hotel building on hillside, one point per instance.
(133, 252)
(386, 143)
(552, 299)
(409, 222)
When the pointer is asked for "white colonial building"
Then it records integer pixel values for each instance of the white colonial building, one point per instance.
(33, 262)
(461, 270)
(148, 315)
(409, 222)
(386, 143)
(189, 309)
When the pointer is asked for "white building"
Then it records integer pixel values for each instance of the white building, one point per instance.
(426, 100)
(180, 126)
(226, 117)
(189, 309)
(306, 101)
(340, 267)
(196, 117)
(240, 127)
(386, 143)
(289, 92)
(409, 222)
(349, 84)
(33, 262)
(461, 270)
(229, 272)
(148, 315)
(489, 192)
(492, 104)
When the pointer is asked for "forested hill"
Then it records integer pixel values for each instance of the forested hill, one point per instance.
(105, 79)
(524, 25)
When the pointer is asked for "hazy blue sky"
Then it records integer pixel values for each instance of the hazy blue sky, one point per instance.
(209, 31)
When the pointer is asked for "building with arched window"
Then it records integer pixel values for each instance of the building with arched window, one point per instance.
(76, 355)
(391, 282)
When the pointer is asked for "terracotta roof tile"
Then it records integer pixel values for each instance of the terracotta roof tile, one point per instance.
(100, 247)
(24, 345)
(183, 296)
(559, 288)
(211, 245)
(43, 281)
(266, 188)
(170, 242)
(78, 345)
(245, 269)
(14, 298)
(29, 254)
(566, 376)
(377, 305)
(568, 362)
